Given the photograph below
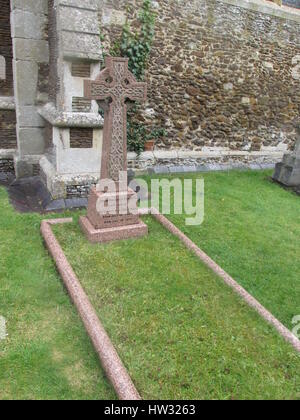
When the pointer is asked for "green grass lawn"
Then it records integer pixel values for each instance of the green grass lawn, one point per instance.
(179, 330)
(252, 230)
(47, 354)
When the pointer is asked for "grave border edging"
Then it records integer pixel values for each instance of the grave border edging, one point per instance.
(237, 288)
(109, 358)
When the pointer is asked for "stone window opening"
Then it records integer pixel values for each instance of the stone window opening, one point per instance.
(2, 68)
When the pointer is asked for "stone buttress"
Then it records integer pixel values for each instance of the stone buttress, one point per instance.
(73, 125)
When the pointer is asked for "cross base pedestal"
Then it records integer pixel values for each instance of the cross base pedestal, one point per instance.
(116, 209)
(112, 234)
(116, 222)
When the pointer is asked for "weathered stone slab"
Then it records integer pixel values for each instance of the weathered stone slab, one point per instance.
(72, 19)
(31, 141)
(34, 6)
(26, 83)
(287, 172)
(76, 203)
(56, 205)
(80, 4)
(29, 117)
(26, 25)
(162, 170)
(68, 119)
(113, 17)
(172, 169)
(32, 50)
(78, 45)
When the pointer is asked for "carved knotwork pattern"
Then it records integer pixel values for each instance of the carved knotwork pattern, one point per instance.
(133, 93)
(117, 83)
(116, 161)
(120, 92)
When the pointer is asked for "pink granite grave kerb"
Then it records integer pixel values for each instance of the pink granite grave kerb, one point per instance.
(114, 85)
(110, 360)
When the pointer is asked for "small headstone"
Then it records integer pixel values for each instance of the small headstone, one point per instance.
(287, 172)
(112, 88)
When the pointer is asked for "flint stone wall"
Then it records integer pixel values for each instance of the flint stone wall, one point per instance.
(220, 76)
(7, 166)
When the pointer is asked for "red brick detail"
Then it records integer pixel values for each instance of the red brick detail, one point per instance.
(81, 70)
(8, 137)
(81, 138)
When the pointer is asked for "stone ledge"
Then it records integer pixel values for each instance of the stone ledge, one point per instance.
(81, 46)
(78, 29)
(208, 167)
(177, 162)
(262, 6)
(7, 103)
(7, 153)
(35, 50)
(27, 25)
(183, 154)
(74, 20)
(34, 6)
(79, 4)
(57, 184)
(69, 119)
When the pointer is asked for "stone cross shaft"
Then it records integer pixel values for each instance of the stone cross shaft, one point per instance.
(114, 85)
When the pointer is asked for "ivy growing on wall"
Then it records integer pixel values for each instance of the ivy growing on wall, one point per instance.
(137, 45)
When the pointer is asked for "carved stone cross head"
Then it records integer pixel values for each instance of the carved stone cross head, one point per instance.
(114, 85)
(116, 82)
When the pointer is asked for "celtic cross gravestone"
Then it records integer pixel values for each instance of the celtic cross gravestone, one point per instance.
(114, 86)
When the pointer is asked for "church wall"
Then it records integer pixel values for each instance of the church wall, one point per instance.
(223, 80)
(73, 135)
